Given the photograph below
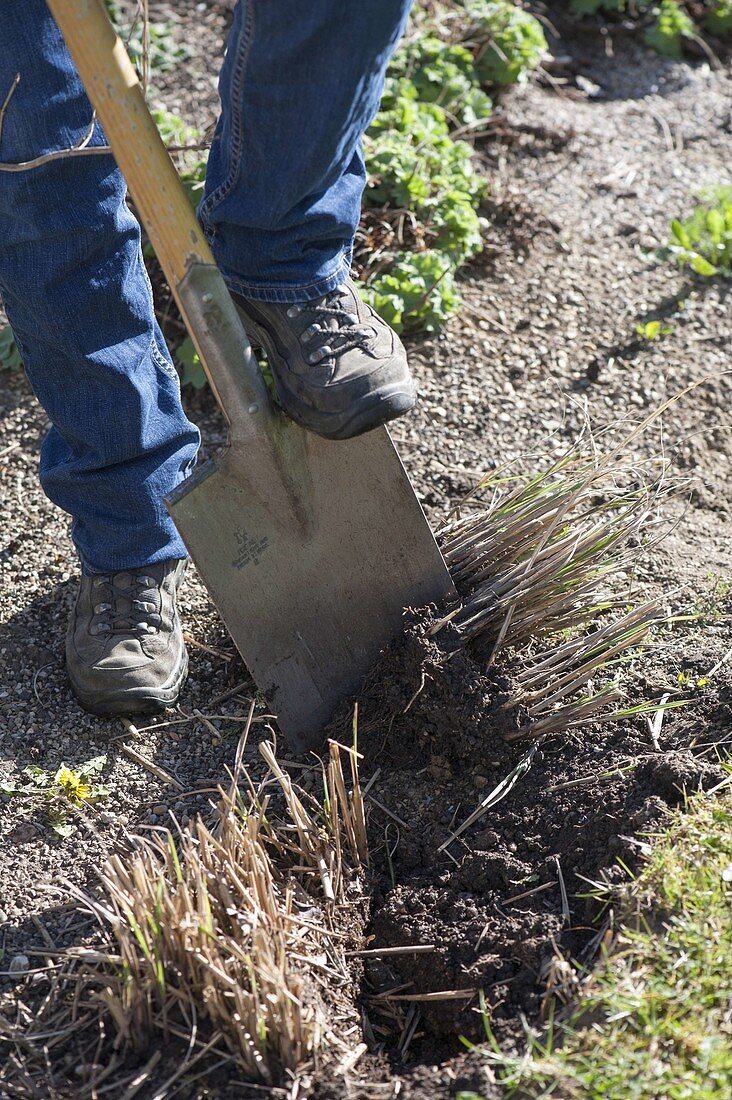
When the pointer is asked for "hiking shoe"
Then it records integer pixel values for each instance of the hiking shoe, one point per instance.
(339, 370)
(124, 647)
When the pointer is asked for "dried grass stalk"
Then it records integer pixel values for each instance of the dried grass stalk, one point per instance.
(230, 930)
(540, 561)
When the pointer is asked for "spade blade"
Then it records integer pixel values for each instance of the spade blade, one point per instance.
(310, 593)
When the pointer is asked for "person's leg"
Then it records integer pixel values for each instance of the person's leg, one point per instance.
(79, 301)
(299, 86)
(78, 298)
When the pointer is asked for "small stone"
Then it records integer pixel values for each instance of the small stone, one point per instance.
(19, 964)
(160, 809)
(3, 916)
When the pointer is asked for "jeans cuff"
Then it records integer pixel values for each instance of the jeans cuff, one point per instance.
(174, 554)
(286, 295)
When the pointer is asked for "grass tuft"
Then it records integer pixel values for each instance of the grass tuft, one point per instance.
(655, 1020)
(230, 936)
(541, 562)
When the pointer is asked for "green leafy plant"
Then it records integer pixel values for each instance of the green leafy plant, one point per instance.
(691, 683)
(172, 128)
(9, 355)
(509, 42)
(415, 165)
(652, 330)
(412, 156)
(719, 20)
(164, 53)
(591, 7)
(60, 791)
(176, 133)
(418, 291)
(666, 23)
(440, 73)
(671, 26)
(191, 371)
(703, 241)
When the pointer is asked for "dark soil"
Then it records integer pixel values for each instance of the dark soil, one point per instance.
(431, 729)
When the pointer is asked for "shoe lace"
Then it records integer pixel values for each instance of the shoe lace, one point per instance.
(329, 317)
(129, 604)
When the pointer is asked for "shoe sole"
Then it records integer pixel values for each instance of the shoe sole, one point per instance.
(371, 412)
(136, 700)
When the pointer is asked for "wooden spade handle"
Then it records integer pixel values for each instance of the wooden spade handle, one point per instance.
(115, 92)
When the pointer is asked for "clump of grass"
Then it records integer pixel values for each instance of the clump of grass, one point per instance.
(226, 936)
(654, 1020)
(539, 563)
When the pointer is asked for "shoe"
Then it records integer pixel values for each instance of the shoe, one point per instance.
(339, 370)
(124, 647)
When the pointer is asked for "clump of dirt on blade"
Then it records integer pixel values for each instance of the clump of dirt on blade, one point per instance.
(431, 728)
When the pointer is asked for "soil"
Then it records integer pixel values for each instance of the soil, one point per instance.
(588, 164)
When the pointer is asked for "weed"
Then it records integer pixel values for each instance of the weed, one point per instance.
(191, 372)
(191, 162)
(444, 74)
(414, 163)
(418, 291)
(172, 128)
(715, 600)
(719, 19)
(671, 26)
(508, 42)
(703, 241)
(165, 52)
(691, 683)
(652, 330)
(9, 355)
(666, 24)
(60, 791)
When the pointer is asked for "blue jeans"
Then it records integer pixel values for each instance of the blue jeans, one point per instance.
(299, 85)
